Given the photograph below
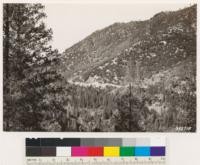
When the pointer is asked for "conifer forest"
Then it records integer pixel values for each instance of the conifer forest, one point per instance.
(138, 76)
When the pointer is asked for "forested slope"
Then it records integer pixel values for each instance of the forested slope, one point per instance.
(129, 77)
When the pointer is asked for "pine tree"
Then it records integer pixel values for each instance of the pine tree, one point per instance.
(29, 68)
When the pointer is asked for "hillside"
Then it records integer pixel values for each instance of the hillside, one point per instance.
(156, 45)
(136, 76)
(128, 77)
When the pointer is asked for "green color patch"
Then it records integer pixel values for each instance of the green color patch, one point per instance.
(127, 151)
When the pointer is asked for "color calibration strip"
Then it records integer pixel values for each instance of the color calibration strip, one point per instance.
(96, 147)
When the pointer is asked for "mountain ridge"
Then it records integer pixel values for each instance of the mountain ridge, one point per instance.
(158, 43)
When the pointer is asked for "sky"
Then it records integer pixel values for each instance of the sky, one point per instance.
(73, 22)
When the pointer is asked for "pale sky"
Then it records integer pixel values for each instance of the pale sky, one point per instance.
(73, 22)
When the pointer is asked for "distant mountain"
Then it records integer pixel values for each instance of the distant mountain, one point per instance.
(163, 47)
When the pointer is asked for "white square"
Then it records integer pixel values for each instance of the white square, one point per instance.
(158, 141)
(63, 151)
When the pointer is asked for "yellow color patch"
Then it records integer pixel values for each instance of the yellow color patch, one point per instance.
(111, 151)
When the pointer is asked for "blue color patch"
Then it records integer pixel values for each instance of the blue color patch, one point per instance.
(142, 151)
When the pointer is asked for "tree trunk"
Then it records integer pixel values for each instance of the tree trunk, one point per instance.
(6, 83)
(130, 108)
(7, 45)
